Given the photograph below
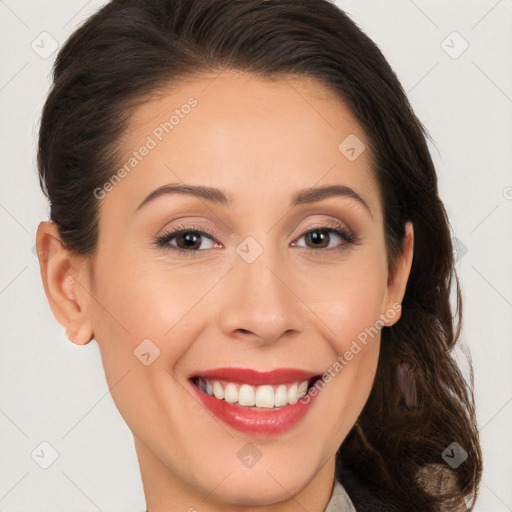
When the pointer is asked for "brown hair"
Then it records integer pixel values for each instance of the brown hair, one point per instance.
(131, 49)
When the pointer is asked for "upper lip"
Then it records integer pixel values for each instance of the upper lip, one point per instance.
(256, 377)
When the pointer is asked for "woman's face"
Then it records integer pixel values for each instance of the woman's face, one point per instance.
(263, 282)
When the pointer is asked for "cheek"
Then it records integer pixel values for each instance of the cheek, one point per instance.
(352, 312)
(148, 301)
(353, 316)
(349, 299)
(146, 298)
(137, 317)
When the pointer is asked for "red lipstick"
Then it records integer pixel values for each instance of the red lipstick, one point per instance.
(256, 421)
(255, 377)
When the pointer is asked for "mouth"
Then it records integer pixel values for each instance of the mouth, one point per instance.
(265, 396)
(257, 403)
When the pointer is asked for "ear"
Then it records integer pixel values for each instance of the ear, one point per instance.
(65, 279)
(397, 279)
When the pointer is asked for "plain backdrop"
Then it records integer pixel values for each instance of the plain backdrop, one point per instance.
(453, 59)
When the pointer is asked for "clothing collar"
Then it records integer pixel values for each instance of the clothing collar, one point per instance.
(340, 501)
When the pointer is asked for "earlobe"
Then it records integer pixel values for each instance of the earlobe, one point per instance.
(65, 283)
(397, 281)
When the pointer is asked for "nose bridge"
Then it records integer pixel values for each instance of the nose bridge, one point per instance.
(259, 299)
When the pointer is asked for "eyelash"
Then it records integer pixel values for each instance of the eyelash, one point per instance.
(332, 227)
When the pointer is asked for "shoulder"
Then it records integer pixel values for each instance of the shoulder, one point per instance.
(365, 496)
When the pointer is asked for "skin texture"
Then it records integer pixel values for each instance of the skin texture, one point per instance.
(294, 306)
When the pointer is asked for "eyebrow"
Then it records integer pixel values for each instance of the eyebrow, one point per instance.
(218, 196)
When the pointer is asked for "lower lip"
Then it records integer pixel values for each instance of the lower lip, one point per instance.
(258, 422)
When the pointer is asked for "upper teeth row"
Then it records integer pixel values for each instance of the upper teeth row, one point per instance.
(259, 396)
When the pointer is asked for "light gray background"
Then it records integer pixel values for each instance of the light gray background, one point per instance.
(53, 391)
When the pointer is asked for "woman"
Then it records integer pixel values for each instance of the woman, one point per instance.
(245, 217)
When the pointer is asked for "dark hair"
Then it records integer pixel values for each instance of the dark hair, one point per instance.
(132, 49)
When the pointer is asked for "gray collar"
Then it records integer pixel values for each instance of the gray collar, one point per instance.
(339, 502)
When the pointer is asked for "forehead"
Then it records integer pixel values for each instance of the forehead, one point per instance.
(239, 131)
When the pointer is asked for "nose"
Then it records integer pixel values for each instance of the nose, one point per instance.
(260, 302)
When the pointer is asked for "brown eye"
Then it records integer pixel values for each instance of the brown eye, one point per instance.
(188, 241)
(322, 237)
(319, 238)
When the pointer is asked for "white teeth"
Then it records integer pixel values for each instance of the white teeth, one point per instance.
(231, 393)
(218, 390)
(292, 394)
(266, 396)
(246, 395)
(303, 389)
(281, 396)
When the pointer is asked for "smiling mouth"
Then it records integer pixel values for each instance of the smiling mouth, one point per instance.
(263, 396)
